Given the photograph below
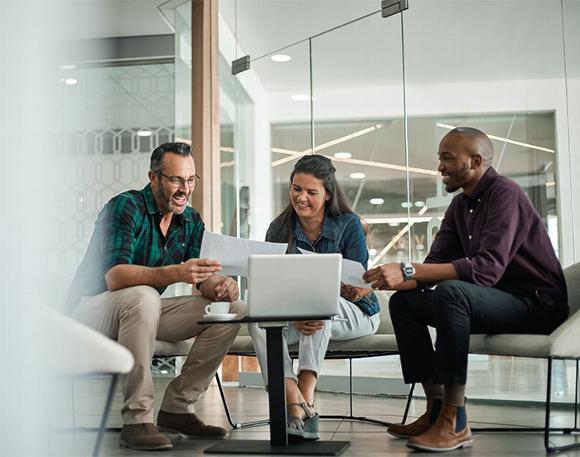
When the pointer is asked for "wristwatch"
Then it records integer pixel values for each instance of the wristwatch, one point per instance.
(408, 270)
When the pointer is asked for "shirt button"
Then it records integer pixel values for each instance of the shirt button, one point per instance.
(479, 199)
(469, 236)
(471, 211)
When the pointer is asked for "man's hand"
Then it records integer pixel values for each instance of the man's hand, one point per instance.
(308, 327)
(227, 290)
(387, 276)
(194, 271)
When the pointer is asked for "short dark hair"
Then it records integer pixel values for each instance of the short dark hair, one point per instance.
(182, 149)
(481, 142)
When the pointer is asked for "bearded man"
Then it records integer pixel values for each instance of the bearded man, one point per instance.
(145, 240)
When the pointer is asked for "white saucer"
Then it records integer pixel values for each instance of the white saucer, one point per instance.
(219, 317)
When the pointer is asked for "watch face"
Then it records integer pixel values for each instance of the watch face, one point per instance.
(408, 270)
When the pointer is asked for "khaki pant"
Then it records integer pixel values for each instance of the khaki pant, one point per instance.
(136, 317)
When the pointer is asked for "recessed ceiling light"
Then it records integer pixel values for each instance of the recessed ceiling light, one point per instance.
(301, 97)
(419, 204)
(394, 224)
(406, 204)
(144, 133)
(281, 58)
(377, 201)
(342, 155)
(70, 81)
(358, 175)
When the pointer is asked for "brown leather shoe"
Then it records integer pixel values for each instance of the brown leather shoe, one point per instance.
(144, 437)
(450, 431)
(188, 424)
(421, 425)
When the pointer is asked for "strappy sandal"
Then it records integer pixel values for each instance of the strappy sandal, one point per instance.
(307, 429)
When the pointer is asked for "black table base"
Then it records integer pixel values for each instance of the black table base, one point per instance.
(278, 443)
(264, 447)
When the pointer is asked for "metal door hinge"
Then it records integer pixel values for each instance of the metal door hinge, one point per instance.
(240, 65)
(390, 7)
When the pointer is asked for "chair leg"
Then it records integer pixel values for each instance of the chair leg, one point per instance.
(408, 405)
(106, 412)
(576, 399)
(231, 421)
(547, 446)
(350, 416)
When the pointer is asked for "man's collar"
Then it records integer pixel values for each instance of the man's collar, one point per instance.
(149, 199)
(484, 183)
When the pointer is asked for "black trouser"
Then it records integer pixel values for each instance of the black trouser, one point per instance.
(458, 309)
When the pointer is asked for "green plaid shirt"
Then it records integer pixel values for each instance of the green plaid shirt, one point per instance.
(127, 232)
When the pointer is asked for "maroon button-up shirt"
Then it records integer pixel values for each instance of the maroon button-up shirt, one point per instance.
(496, 238)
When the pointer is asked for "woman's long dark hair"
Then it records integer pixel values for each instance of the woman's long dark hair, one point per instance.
(321, 168)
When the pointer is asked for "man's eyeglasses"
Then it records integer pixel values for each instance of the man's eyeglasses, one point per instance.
(178, 181)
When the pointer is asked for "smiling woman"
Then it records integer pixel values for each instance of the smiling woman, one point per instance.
(318, 219)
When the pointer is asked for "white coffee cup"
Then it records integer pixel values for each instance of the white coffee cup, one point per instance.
(218, 307)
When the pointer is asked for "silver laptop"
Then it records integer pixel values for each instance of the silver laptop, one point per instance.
(293, 285)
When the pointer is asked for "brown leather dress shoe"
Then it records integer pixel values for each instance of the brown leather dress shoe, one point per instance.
(419, 426)
(450, 431)
(189, 425)
(144, 437)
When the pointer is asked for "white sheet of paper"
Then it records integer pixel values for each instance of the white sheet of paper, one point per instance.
(233, 252)
(352, 272)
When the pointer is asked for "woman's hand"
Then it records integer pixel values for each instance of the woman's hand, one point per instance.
(308, 327)
(352, 293)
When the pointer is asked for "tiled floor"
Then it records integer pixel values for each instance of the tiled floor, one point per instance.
(250, 404)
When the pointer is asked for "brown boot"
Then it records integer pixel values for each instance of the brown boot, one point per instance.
(450, 431)
(188, 424)
(421, 425)
(144, 437)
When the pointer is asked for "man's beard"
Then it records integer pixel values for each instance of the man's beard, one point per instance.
(168, 202)
(450, 188)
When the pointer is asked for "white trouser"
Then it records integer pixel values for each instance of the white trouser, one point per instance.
(312, 348)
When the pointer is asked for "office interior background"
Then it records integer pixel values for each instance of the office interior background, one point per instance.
(91, 87)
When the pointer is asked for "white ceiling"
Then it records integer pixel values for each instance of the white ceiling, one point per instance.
(115, 18)
(499, 39)
(496, 39)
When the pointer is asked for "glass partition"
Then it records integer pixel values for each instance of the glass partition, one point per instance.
(377, 95)
(510, 84)
(358, 117)
(285, 75)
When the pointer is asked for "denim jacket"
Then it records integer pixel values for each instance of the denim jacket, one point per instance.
(342, 234)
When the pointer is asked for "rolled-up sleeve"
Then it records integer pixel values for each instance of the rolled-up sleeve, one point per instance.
(501, 235)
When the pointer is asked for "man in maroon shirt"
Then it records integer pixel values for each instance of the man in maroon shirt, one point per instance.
(495, 271)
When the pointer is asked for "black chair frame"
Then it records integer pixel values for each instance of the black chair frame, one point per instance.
(329, 356)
